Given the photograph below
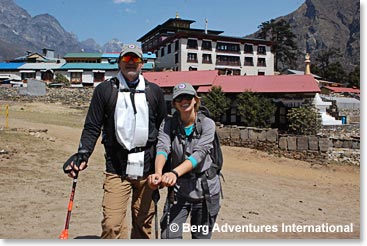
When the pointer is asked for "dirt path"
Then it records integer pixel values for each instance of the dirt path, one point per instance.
(261, 192)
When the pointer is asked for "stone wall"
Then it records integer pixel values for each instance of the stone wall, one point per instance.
(316, 149)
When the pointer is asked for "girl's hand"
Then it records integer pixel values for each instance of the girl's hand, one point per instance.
(169, 179)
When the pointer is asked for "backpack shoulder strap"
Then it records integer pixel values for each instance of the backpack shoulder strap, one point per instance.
(111, 103)
(174, 126)
(199, 127)
(150, 95)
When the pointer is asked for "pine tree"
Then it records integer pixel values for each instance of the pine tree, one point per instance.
(255, 110)
(217, 102)
(284, 46)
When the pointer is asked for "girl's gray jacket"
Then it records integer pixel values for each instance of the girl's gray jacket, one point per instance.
(198, 145)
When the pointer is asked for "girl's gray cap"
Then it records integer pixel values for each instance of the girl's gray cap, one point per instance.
(183, 88)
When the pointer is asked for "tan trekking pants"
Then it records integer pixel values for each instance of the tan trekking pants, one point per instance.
(116, 197)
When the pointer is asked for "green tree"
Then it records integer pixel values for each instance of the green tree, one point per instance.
(354, 78)
(255, 110)
(59, 78)
(327, 67)
(217, 102)
(284, 46)
(305, 120)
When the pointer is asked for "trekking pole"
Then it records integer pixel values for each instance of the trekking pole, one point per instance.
(156, 197)
(170, 199)
(168, 208)
(65, 233)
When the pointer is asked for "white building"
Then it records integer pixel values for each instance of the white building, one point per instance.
(181, 48)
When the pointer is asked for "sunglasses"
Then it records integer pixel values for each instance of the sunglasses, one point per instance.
(184, 97)
(128, 58)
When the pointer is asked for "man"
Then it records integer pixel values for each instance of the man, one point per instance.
(130, 110)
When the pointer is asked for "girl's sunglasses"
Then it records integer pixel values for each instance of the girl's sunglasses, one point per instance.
(128, 58)
(184, 97)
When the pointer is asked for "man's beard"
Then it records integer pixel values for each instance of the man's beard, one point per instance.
(132, 73)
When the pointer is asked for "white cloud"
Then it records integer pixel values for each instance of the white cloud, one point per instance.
(123, 1)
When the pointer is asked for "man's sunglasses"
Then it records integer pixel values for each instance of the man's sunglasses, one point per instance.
(128, 58)
(184, 97)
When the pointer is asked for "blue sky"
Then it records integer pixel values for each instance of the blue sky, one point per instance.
(128, 20)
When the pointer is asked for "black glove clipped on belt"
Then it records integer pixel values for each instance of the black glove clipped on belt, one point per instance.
(76, 159)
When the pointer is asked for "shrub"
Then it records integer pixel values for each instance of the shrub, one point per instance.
(59, 78)
(305, 120)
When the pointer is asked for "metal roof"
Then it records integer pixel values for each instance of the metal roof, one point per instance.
(204, 80)
(299, 72)
(149, 55)
(10, 65)
(170, 79)
(268, 84)
(344, 102)
(41, 66)
(89, 66)
(343, 89)
(148, 66)
(111, 55)
(83, 55)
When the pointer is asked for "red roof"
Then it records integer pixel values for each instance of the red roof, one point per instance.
(343, 89)
(170, 79)
(266, 84)
(235, 84)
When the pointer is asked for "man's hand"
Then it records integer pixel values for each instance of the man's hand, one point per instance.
(154, 180)
(76, 163)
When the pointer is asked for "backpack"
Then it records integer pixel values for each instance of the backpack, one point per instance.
(215, 154)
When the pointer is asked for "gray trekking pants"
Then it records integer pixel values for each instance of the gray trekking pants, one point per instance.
(201, 222)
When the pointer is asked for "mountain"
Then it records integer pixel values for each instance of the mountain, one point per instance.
(323, 24)
(111, 46)
(114, 45)
(89, 45)
(318, 24)
(20, 32)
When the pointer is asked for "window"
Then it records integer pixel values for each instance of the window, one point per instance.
(177, 43)
(192, 44)
(30, 75)
(225, 71)
(47, 76)
(261, 62)
(192, 57)
(249, 61)
(261, 50)
(260, 73)
(206, 45)
(162, 51)
(75, 77)
(226, 47)
(98, 77)
(236, 72)
(228, 60)
(221, 71)
(207, 58)
(169, 49)
(249, 48)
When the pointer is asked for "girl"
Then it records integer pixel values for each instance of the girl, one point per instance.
(187, 150)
